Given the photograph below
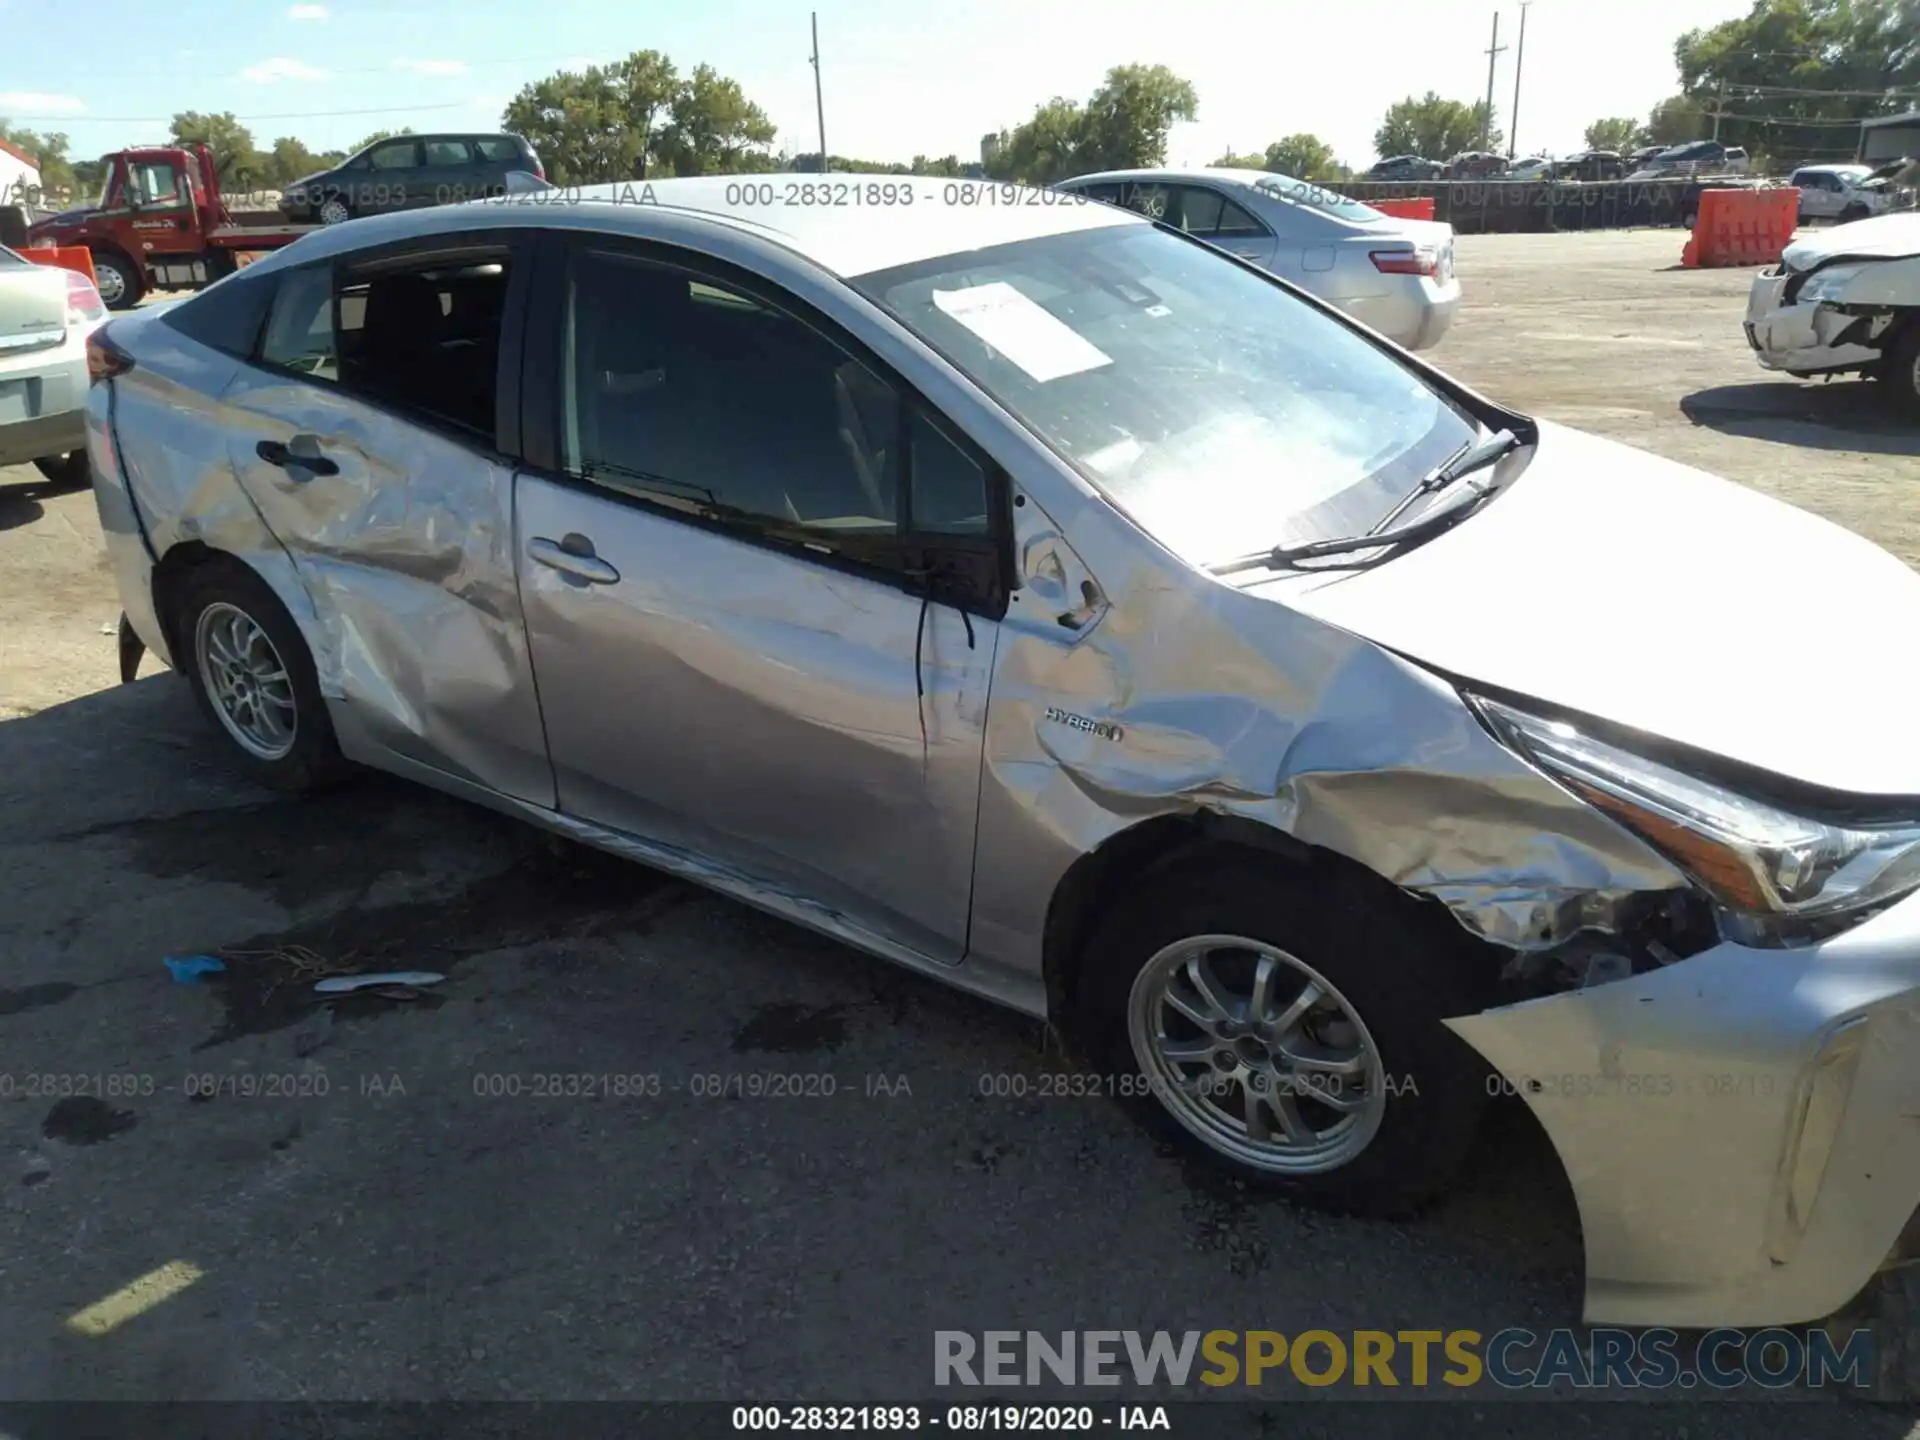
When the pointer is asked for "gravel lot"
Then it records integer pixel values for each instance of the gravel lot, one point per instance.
(405, 1236)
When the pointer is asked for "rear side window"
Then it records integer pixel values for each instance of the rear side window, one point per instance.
(448, 152)
(227, 315)
(497, 148)
(300, 328)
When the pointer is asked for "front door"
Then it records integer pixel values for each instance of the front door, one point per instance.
(365, 435)
(739, 651)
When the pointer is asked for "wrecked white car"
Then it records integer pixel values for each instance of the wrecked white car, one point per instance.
(1049, 603)
(1845, 301)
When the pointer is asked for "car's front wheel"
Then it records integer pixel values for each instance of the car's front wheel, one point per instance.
(1900, 370)
(1288, 1029)
(253, 677)
(117, 281)
(335, 211)
(69, 471)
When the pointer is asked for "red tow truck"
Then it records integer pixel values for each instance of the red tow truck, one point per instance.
(160, 224)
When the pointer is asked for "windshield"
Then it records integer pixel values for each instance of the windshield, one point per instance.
(1219, 410)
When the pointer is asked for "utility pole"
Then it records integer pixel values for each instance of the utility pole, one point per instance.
(1719, 104)
(1494, 52)
(819, 104)
(1519, 63)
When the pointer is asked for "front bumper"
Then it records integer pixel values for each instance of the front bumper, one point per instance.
(1802, 339)
(1741, 1129)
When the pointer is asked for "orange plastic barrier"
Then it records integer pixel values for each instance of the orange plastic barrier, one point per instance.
(73, 257)
(1421, 209)
(1742, 227)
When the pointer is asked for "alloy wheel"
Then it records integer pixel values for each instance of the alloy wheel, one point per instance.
(333, 212)
(247, 681)
(1257, 1053)
(111, 284)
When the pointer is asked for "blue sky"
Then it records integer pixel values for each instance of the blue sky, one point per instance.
(900, 78)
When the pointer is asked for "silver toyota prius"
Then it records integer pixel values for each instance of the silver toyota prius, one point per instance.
(1053, 603)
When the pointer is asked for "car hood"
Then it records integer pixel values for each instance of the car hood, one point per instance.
(1884, 237)
(1616, 583)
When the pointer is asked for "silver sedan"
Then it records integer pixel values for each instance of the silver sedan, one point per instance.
(1395, 275)
(1032, 596)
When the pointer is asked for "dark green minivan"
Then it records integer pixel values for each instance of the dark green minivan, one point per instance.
(406, 172)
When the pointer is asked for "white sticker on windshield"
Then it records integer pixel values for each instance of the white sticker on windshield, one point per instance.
(1038, 342)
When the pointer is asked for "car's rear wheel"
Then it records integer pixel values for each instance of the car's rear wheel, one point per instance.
(335, 211)
(117, 281)
(253, 677)
(1288, 1030)
(69, 471)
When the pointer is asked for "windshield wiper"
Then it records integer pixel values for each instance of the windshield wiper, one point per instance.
(1463, 462)
(1442, 517)
(1384, 534)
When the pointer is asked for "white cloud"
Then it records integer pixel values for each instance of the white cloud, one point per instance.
(281, 68)
(432, 67)
(306, 12)
(38, 102)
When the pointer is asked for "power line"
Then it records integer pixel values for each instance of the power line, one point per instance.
(284, 115)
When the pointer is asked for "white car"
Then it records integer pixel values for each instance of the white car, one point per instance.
(46, 314)
(1538, 167)
(1845, 300)
(1831, 192)
(1393, 275)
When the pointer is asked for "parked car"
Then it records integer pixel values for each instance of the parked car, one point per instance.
(1845, 300)
(1590, 165)
(1396, 275)
(1476, 165)
(1041, 600)
(1406, 167)
(1699, 157)
(46, 315)
(1535, 167)
(409, 171)
(1828, 191)
(1643, 156)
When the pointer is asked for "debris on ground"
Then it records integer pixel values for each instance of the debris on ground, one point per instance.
(383, 980)
(187, 969)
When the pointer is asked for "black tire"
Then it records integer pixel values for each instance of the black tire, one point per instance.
(1899, 372)
(1851, 214)
(69, 471)
(118, 280)
(1401, 971)
(334, 210)
(314, 761)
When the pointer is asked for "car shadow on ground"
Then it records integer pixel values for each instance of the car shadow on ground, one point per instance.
(1847, 414)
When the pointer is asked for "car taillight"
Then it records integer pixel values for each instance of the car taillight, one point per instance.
(1406, 262)
(105, 359)
(83, 300)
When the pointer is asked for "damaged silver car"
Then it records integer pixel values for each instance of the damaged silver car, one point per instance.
(1053, 604)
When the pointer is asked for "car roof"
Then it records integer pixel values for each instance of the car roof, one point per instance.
(1830, 169)
(1229, 174)
(942, 217)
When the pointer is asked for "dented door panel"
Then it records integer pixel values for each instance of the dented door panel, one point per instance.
(407, 554)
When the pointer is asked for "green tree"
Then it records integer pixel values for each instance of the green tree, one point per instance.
(1046, 148)
(645, 87)
(715, 130)
(235, 159)
(1231, 161)
(1436, 129)
(1791, 76)
(375, 138)
(1675, 121)
(49, 153)
(574, 121)
(1127, 121)
(808, 162)
(289, 160)
(1619, 133)
(1305, 157)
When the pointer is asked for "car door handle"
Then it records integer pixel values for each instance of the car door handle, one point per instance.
(303, 453)
(573, 556)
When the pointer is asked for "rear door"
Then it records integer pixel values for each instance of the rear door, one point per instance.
(1214, 216)
(447, 171)
(392, 180)
(373, 432)
(763, 585)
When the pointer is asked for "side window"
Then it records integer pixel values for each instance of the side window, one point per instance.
(497, 149)
(1237, 223)
(448, 152)
(396, 155)
(227, 315)
(1149, 199)
(690, 394)
(299, 334)
(948, 493)
(426, 338)
(1106, 190)
(155, 184)
(1199, 211)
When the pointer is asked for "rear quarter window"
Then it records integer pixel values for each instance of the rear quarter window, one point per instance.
(226, 316)
(497, 148)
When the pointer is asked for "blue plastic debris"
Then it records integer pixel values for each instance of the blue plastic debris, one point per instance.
(187, 969)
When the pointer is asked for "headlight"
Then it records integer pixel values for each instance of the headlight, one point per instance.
(1826, 285)
(1779, 872)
